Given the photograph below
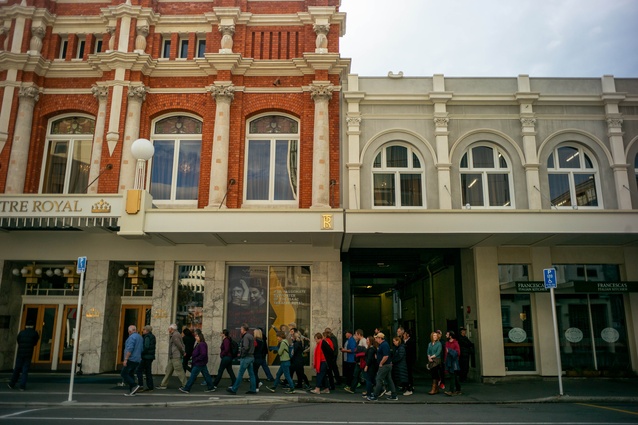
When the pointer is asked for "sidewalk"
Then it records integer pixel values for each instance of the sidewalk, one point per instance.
(50, 390)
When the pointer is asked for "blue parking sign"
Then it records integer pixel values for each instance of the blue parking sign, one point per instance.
(549, 276)
(81, 265)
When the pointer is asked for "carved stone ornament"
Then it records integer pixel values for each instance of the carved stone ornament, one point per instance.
(528, 122)
(31, 93)
(614, 122)
(322, 37)
(353, 120)
(227, 31)
(101, 93)
(441, 121)
(138, 92)
(140, 39)
(223, 92)
(321, 91)
(4, 32)
(37, 34)
(111, 31)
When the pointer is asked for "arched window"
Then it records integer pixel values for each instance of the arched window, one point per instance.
(398, 177)
(572, 178)
(272, 160)
(485, 178)
(176, 162)
(68, 155)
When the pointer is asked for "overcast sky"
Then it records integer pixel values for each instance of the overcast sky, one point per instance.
(498, 38)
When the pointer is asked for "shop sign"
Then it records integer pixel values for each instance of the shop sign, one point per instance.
(535, 286)
(606, 287)
(60, 206)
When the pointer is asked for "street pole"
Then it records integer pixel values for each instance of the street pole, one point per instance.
(76, 335)
(557, 342)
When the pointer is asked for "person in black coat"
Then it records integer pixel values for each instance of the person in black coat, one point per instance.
(148, 355)
(189, 345)
(410, 358)
(399, 365)
(467, 351)
(27, 340)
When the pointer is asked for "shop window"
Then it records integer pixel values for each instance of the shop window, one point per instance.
(573, 178)
(68, 155)
(64, 44)
(270, 298)
(398, 177)
(516, 317)
(486, 178)
(272, 160)
(80, 49)
(98, 43)
(190, 295)
(175, 165)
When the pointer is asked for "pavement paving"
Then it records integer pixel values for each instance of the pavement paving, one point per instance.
(104, 390)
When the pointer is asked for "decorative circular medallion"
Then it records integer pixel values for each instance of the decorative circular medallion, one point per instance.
(517, 335)
(574, 335)
(610, 335)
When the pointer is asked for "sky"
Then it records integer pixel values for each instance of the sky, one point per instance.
(492, 38)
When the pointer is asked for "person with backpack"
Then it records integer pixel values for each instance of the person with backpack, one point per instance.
(226, 355)
(283, 351)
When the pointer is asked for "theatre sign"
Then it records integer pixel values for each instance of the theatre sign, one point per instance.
(59, 210)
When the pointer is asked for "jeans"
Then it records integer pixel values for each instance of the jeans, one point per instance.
(371, 378)
(301, 375)
(454, 383)
(323, 370)
(356, 376)
(385, 374)
(174, 366)
(227, 365)
(195, 370)
(128, 373)
(246, 363)
(145, 369)
(284, 367)
(21, 370)
(263, 363)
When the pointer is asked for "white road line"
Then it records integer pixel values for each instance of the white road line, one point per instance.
(19, 413)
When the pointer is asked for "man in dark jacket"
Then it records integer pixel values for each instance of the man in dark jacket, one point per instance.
(246, 360)
(148, 355)
(332, 362)
(27, 340)
(467, 351)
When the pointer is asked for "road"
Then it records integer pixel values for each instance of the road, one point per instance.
(337, 413)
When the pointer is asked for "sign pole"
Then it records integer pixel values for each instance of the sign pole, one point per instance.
(81, 267)
(558, 362)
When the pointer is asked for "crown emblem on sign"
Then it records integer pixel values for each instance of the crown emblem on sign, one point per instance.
(101, 207)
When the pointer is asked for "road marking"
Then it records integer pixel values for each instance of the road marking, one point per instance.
(19, 413)
(609, 408)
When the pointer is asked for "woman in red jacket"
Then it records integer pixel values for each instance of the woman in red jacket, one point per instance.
(321, 366)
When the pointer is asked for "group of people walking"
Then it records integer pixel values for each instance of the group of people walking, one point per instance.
(384, 367)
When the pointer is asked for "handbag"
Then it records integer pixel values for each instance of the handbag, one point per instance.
(434, 363)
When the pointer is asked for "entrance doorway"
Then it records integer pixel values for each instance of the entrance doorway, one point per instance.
(44, 317)
(138, 315)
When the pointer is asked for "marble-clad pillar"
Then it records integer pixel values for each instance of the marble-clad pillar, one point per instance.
(136, 95)
(321, 93)
(101, 93)
(214, 310)
(28, 96)
(162, 314)
(325, 299)
(223, 92)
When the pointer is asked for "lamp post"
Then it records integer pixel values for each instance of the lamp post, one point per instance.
(142, 150)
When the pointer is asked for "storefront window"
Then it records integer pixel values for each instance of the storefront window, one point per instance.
(591, 325)
(270, 298)
(516, 316)
(190, 296)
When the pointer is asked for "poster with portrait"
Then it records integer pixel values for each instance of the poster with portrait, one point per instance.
(271, 298)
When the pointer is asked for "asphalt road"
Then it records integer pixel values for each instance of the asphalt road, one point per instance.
(327, 413)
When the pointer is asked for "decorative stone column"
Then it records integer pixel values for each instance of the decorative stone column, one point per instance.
(4, 37)
(21, 139)
(35, 45)
(136, 95)
(227, 31)
(322, 37)
(140, 39)
(353, 165)
(101, 93)
(111, 31)
(528, 124)
(321, 93)
(443, 164)
(223, 93)
(620, 166)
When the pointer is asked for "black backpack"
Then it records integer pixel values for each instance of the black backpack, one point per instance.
(234, 348)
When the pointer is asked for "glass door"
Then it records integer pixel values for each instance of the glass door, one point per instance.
(44, 317)
(68, 333)
(138, 315)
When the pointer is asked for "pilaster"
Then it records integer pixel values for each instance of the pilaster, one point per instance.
(223, 92)
(16, 176)
(136, 95)
(101, 94)
(321, 93)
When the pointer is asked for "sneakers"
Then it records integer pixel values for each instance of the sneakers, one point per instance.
(161, 387)
(135, 389)
(457, 393)
(348, 390)
(392, 398)
(129, 395)
(325, 391)
(183, 390)
(382, 393)
(271, 389)
(210, 390)
(448, 393)
(371, 398)
(260, 384)
(408, 392)
(315, 391)
(290, 391)
(230, 390)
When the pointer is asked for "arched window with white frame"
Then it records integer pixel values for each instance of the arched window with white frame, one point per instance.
(398, 177)
(67, 158)
(175, 165)
(573, 178)
(486, 177)
(272, 160)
